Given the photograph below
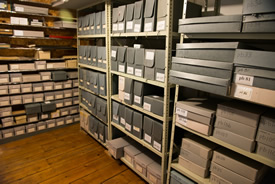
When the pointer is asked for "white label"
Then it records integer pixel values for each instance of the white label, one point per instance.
(122, 121)
(147, 106)
(20, 9)
(121, 26)
(137, 99)
(137, 28)
(14, 67)
(244, 79)
(121, 68)
(115, 117)
(136, 129)
(18, 33)
(113, 53)
(148, 27)
(138, 72)
(130, 70)
(129, 25)
(128, 127)
(182, 120)
(150, 55)
(160, 77)
(42, 127)
(243, 92)
(157, 146)
(161, 25)
(181, 112)
(114, 27)
(51, 125)
(126, 96)
(147, 138)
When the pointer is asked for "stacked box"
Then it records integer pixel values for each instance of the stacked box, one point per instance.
(41, 125)
(197, 114)
(27, 98)
(4, 78)
(4, 101)
(31, 77)
(116, 146)
(142, 161)
(20, 130)
(266, 135)
(45, 76)
(48, 86)
(21, 119)
(154, 172)
(40, 65)
(37, 87)
(155, 104)
(234, 168)
(50, 123)
(30, 128)
(4, 89)
(196, 154)
(14, 89)
(38, 97)
(237, 123)
(131, 151)
(16, 78)
(5, 111)
(69, 119)
(26, 88)
(177, 178)
(9, 121)
(16, 100)
(60, 121)
(7, 133)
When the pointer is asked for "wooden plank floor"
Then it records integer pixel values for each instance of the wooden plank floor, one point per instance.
(65, 155)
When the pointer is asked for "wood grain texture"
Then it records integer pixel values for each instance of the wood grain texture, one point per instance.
(65, 155)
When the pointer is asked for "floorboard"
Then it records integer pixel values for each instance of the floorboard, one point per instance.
(65, 155)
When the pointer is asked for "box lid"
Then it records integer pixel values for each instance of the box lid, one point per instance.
(148, 125)
(130, 12)
(155, 168)
(119, 142)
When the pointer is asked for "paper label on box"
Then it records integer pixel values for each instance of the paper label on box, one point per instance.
(147, 137)
(139, 168)
(28, 101)
(128, 158)
(126, 96)
(18, 33)
(44, 116)
(19, 9)
(244, 79)
(115, 117)
(122, 121)
(136, 129)
(3, 92)
(147, 106)
(42, 127)
(97, 27)
(157, 146)
(137, 28)
(20, 132)
(182, 120)
(150, 55)
(129, 25)
(8, 135)
(130, 70)
(51, 125)
(32, 119)
(148, 27)
(49, 65)
(114, 27)
(113, 53)
(153, 178)
(161, 25)
(243, 92)
(23, 21)
(31, 130)
(121, 26)
(16, 102)
(137, 99)
(60, 123)
(121, 68)
(128, 127)
(160, 77)
(181, 112)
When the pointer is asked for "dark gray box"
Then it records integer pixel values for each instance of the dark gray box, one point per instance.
(48, 106)
(101, 109)
(129, 18)
(103, 23)
(114, 62)
(260, 23)
(138, 124)
(115, 20)
(129, 91)
(121, 18)
(130, 61)
(121, 57)
(33, 108)
(157, 135)
(115, 112)
(150, 11)
(102, 84)
(101, 131)
(122, 115)
(156, 104)
(177, 178)
(98, 25)
(92, 24)
(80, 25)
(254, 7)
(95, 84)
(94, 55)
(129, 119)
(138, 16)
(148, 129)
(101, 57)
(59, 75)
(92, 103)
(139, 62)
(149, 63)
(160, 65)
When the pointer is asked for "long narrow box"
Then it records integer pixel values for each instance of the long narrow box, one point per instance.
(267, 121)
(177, 178)
(195, 158)
(265, 151)
(142, 161)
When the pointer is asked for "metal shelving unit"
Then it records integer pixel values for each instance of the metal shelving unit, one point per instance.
(85, 89)
(86, 108)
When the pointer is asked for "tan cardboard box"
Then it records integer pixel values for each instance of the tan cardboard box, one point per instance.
(39, 97)
(5, 111)
(48, 86)
(239, 164)
(4, 78)
(27, 66)
(71, 63)
(14, 89)
(64, 111)
(75, 92)
(39, 54)
(265, 151)
(266, 138)
(68, 102)
(214, 179)
(4, 90)
(15, 100)
(45, 75)
(32, 118)
(40, 65)
(27, 98)
(5, 100)
(16, 77)
(37, 87)
(54, 65)
(58, 85)
(14, 67)
(3, 67)
(235, 127)
(26, 88)
(234, 139)
(200, 171)
(229, 175)
(49, 96)
(68, 84)
(267, 121)
(199, 127)
(55, 114)
(75, 83)
(60, 121)
(68, 93)
(7, 121)
(198, 146)
(59, 103)
(58, 95)
(253, 94)
(44, 116)
(31, 78)
(195, 158)
(21, 119)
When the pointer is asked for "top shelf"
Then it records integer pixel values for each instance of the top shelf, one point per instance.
(242, 36)
(92, 36)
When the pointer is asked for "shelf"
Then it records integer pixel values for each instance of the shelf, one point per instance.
(92, 67)
(140, 109)
(32, 59)
(190, 174)
(32, 3)
(144, 34)
(92, 36)
(32, 26)
(84, 107)
(85, 89)
(155, 83)
(253, 156)
(140, 141)
(136, 171)
(37, 38)
(98, 140)
(242, 36)
(46, 70)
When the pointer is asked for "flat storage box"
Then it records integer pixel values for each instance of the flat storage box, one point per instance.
(142, 161)
(37, 87)
(64, 111)
(68, 102)
(266, 138)
(3, 67)
(260, 23)
(21, 119)
(4, 89)
(4, 78)
(7, 121)
(44, 116)
(19, 130)
(15, 100)
(7, 133)
(32, 118)
(188, 155)
(214, 179)
(239, 164)
(49, 96)
(116, 147)
(69, 119)
(196, 169)
(68, 93)
(31, 77)
(154, 173)
(154, 104)
(74, 110)
(51, 123)
(157, 135)
(16, 78)
(212, 24)
(25, 66)
(26, 88)
(38, 97)
(4, 101)
(27, 98)
(30, 9)
(48, 106)
(48, 86)
(30, 128)
(234, 139)
(55, 114)
(138, 124)
(130, 152)
(33, 108)
(72, 75)
(265, 151)
(40, 65)
(28, 33)
(150, 11)
(252, 7)
(59, 75)
(46, 76)
(59, 65)
(14, 89)
(267, 121)
(58, 94)
(41, 125)
(58, 85)
(5, 111)
(177, 178)
(60, 121)
(68, 84)
(39, 54)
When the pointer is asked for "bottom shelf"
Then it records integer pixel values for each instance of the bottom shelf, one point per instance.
(136, 171)
(89, 133)
(190, 174)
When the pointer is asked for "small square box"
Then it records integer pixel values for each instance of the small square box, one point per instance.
(48, 106)
(72, 75)
(31, 78)
(39, 97)
(64, 111)
(37, 87)
(26, 88)
(15, 100)
(130, 152)
(45, 76)
(27, 98)
(4, 90)
(14, 89)
(51, 123)
(9, 121)
(76, 118)
(4, 78)
(5, 111)
(74, 110)
(16, 77)
(68, 84)
(58, 94)
(4, 101)
(68, 93)
(48, 86)
(60, 121)
(40, 65)
(116, 147)
(75, 101)
(75, 92)
(19, 130)
(32, 118)
(49, 96)
(55, 114)
(44, 116)
(21, 119)
(7, 133)
(58, 85)
(59, 103)
(69, 119)
(75, 83)
(30, 128)
(41, 125)
(68, 102)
